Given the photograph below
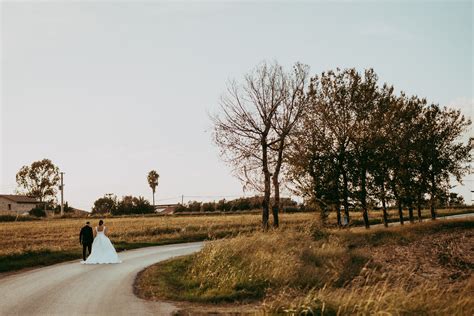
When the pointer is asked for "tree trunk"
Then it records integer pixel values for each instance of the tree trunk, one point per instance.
(419, 210)
(153, 197)
(276, 184)
(266, 194)
(400, 212)
(363, 195)
(385, 214)
(433, 197)
(338, 212)
(410, 213)
(384, 207)
(365, 214)
(346, 195)
(399, 202)
(276, 206)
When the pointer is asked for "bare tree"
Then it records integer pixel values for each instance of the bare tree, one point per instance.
(284, 122)
(243, 130)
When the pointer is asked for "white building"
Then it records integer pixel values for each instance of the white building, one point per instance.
(16, 204)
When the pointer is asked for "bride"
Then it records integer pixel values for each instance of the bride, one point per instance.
(102, 249)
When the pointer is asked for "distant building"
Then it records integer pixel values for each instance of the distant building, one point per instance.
(165, 208)
(16, 204)
(78, 212)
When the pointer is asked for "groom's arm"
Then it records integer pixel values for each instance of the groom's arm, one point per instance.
(80, 236)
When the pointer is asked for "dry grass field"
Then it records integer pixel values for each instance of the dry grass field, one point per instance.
(420, 269)
(63, 234)
(48, 241)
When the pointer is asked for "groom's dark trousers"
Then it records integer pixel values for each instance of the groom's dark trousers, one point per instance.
(86, 237)
(84, 247)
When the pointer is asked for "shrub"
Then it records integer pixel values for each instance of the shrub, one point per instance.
(209, 207)
(223, 205)
(142, 206)
(240, 204)
(194, 206)
(67, 208)
(38, 212)
(180, 208)
(133, 205)
(105, 205)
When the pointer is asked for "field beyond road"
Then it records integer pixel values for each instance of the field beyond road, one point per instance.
(44, 242)
(48, 241)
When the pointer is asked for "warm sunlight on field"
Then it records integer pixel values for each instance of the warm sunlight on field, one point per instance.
(63, 234)
(419, 269)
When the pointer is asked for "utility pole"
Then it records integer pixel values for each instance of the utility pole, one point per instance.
(182, 199)
(62, 193)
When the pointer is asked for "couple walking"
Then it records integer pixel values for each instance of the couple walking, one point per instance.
(100, 248)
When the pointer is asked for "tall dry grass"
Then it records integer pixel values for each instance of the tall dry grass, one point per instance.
(63, 234)
(388, 297)
(420, 269)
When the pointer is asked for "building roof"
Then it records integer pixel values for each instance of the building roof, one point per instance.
(19, 198)
(165, 208)
(76, 210)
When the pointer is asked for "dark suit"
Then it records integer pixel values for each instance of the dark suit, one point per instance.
(86, 237)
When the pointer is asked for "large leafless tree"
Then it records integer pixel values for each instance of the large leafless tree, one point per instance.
(255, 119)
(283, 124)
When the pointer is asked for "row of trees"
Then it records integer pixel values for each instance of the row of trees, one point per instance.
(240, 204)
(361, 143)
(341, 140)
(110, 204)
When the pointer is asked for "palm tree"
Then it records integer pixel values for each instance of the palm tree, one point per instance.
(153, 182)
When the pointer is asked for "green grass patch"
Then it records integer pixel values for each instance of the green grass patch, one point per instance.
(36, 259)
(170, 280)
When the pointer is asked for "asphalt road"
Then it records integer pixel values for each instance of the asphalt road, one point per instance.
(75, 289)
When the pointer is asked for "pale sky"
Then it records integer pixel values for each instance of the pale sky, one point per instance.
(110, 90)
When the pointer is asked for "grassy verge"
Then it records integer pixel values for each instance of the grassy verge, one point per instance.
(39, 258)
(417, 269)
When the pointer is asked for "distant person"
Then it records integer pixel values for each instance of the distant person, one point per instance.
(86, 237)
(102, 249)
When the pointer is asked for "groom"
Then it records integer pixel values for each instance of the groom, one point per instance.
(86, 237)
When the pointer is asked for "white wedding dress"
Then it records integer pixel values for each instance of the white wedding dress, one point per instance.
(102, 250)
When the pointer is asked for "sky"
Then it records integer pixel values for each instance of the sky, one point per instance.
(111, 90)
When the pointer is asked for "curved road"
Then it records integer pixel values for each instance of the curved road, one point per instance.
(75, 289)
